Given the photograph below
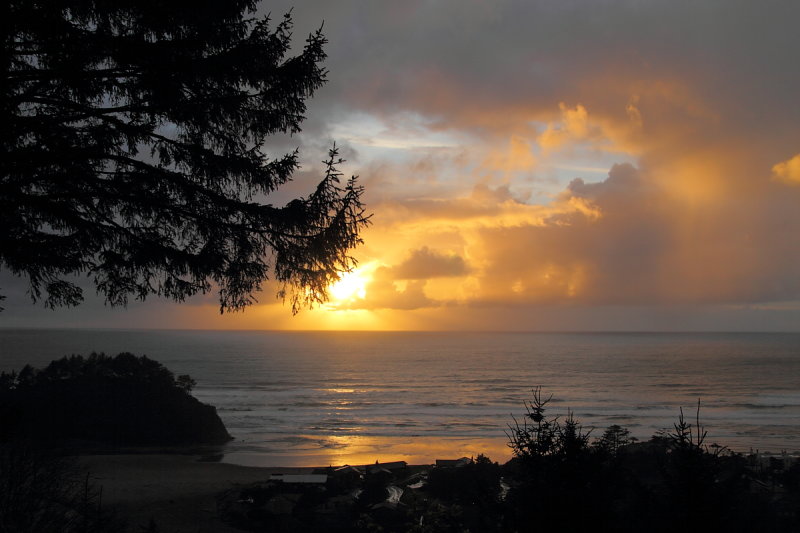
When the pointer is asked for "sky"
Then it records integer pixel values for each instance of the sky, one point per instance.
(558, 166)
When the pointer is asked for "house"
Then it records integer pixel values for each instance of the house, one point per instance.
(452, 463)
(387, 467)
(416, 480)
(348, 470)
(304, 479)
(346, 477)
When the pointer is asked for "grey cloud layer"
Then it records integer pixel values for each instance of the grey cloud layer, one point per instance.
(703, 95)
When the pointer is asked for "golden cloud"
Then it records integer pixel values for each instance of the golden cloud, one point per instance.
(788, 171)
(574, 125)
(517, 157)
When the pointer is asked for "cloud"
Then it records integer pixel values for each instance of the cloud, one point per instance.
(633, 239)
(478, 139)
(787, 172)
(402, 286)
(383, 292)
(516, 157)
(425, 263)
(574, 126)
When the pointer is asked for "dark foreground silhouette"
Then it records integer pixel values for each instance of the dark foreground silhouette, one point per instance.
(43, 491)
(557, 480)
(105, 401)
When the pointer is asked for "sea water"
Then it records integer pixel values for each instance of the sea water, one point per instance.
(319, 398)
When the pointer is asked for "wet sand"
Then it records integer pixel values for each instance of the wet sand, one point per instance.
(178, 491)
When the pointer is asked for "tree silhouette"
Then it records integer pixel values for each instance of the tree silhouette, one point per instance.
(133, 153)
(614, 439)
(109, 401)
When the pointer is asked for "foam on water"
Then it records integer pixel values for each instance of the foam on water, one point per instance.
(327, 398)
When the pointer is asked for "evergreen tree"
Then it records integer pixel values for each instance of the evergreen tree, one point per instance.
(614, 439)
(133, 153)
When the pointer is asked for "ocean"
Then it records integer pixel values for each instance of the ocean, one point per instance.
(330, 398)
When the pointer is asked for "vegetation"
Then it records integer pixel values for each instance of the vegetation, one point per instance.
(617, 485)
(41, 492)
(133, 153)
(471, 496)
(558, 480)
(118, 401)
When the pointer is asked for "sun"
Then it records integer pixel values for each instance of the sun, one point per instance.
(350, 287)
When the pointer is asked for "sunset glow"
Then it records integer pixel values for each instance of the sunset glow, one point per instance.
(351, 286)
(537, 180)
(416, 265)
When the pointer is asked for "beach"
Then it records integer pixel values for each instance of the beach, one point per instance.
(178, 491)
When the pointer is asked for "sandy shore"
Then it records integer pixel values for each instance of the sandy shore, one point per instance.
(178, 491)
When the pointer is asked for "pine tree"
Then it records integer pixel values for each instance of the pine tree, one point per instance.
(133, 154)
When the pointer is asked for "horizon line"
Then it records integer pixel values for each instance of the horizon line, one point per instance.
(532, 331)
